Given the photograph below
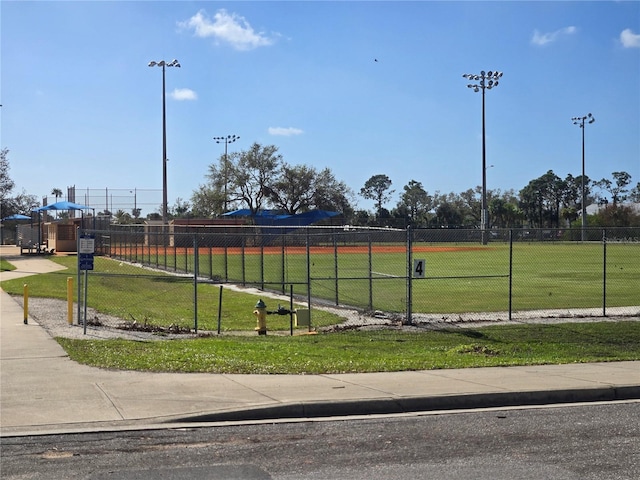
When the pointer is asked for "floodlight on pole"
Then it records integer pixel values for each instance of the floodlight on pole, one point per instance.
(484, 81)
(227, 140)
(580, 121)
(163, 64)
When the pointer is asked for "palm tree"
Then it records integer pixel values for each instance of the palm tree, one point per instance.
(56, 192)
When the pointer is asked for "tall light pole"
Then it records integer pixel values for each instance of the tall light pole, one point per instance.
(580, 121)
(162, 63)
(485, 81)
(227, 140)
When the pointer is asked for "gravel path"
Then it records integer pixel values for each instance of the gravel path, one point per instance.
(52, 315)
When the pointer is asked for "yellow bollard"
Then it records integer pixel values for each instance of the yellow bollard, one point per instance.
(25, 302)
(70, 300)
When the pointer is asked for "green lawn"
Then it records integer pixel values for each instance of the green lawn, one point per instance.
(375, 351)
(5, 266)
(545, 275)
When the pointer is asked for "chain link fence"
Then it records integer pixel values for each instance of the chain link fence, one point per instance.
(514, 274)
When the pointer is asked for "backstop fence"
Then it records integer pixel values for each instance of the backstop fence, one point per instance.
(412, 275)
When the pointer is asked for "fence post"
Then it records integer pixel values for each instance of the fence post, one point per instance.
(25, 303)
(335, 265)
(510, 272)
(291, 309)
(78, 273)
(282, 259)
(226, 259)
(195, 282)
(210, 261)
(409, 258)
(370, 275)
(604, 272)
(309, 277)
(244, 281)
(175, 257)
(70, 300)
(261, 261)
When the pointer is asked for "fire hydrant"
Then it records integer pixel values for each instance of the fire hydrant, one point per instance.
(261, 316)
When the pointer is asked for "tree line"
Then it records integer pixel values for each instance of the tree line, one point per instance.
(259, 178)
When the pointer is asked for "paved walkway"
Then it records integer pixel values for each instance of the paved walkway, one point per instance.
(43, 391)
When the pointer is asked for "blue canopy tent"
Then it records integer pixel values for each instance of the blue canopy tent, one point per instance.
(16, 217)
(64, 205)
(288, 223)
(271, 218)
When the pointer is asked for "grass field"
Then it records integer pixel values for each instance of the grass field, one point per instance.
(459, 278)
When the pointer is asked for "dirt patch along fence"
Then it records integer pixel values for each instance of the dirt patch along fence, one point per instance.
(443, 273)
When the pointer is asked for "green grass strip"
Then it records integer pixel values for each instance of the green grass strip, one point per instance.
(5, 266)
(372, 351)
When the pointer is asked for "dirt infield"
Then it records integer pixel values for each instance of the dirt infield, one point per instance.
(300, 250)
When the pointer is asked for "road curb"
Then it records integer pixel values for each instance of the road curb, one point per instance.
(416, 404)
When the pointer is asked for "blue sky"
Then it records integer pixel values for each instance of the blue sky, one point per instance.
(81, 107)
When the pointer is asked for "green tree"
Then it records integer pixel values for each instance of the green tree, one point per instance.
(252, 175)
(618, 188)
(292, 190)
(448, 215)
(415, 202)
(634, 194)
(6, 183)
(180, 209)
(207, 202)
(57, 193)
(542, 200)
(616, 216)
(121, 217)
(332, 195)
(258, 178)
(377, 188)
(469, 205)
(302, 188)
(22, 203)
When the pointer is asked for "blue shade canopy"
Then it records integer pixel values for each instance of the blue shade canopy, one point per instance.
(63, 206)
(17, 216)
(271, 218)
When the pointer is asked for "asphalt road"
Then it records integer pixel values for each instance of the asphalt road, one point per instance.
(586, 442)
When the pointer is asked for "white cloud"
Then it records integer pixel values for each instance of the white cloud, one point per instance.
(227, 27)
(285, 132)
(546, 38)
(184, 94)
(629, 39)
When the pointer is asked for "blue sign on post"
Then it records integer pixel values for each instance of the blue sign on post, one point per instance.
(86, 248)
(85, 261)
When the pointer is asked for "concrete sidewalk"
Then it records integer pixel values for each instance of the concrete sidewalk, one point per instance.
(42, 391)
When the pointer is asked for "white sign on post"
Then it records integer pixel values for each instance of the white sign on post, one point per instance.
(86, 245)
(419, 266)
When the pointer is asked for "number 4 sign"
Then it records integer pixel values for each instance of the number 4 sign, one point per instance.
(419, 268)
